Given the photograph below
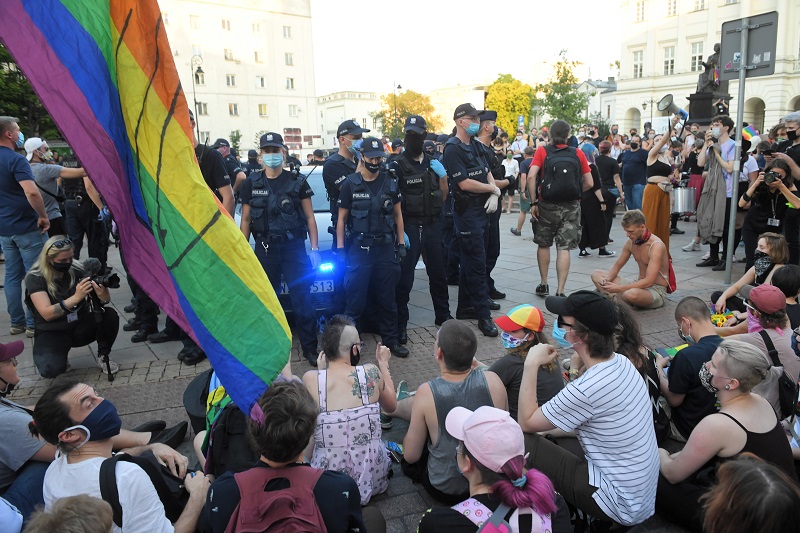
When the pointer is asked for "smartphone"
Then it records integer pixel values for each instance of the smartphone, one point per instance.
(767, 152)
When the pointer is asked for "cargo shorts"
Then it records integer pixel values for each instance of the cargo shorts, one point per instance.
(559, 222)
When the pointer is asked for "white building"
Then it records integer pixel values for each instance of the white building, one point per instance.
(446, 100)
(256, 67)
(602, 98)
(664, 41)
(335, 108)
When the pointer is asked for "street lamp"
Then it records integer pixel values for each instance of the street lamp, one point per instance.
(651, 101)
(395, 87)
(196, 69)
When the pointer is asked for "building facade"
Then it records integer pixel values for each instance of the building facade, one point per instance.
(664, 43)
(247, 65)
(601, 99)
(446, 100)
(335, 108)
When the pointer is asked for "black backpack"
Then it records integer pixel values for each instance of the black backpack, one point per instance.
(229, 447)
(562, 179)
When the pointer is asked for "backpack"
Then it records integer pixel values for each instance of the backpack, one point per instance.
(288, 510)
(170, 489)
(229, 447)
(487, 521)
(787, 387)
(562, 179)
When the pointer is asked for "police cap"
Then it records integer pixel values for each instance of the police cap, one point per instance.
(415, 123)
(221, 142)
(271, 139)
(350, 127)
(372, 147)
(488, 114)
(466, 110)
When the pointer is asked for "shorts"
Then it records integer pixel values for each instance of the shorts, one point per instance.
(524, 204)
(559, 222)
(658, 292)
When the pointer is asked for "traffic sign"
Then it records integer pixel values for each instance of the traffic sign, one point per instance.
(762, 39)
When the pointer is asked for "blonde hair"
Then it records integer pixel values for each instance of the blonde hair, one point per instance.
(634, 217)
(745, 363)
(43, 267)
(778, 249)
(74, 514)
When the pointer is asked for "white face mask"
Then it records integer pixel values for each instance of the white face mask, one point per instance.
(715, 132)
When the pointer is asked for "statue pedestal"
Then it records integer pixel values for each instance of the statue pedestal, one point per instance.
(701, 106)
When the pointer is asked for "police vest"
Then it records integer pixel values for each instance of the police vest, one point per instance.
(276, 214)
(73, 187)
(333, 184)
(476, 164)
(370, 214)
(422, 197)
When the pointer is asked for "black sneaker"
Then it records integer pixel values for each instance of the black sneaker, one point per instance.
(195, 356)
(584, 253)
(141, 335)
(710, 262)
(398, 350)
(606, 253)
(561, 295)
(542, 290)
(719, 266)
(676, 231)
(494, 294)
(132, 325)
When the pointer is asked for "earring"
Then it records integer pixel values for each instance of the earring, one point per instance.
(728, 387)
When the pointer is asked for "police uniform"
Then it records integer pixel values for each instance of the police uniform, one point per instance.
(279, 228)
(422, 222)
(372, 254)
(493, 229)
(81, 218)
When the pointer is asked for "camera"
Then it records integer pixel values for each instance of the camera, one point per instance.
(94, 271)
(771, 177)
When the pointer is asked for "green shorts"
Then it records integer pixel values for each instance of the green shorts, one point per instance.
(559, 222)
(524, 204)
(658, 292)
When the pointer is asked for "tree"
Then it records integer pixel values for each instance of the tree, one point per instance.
(17, 99)
(560, 98)
(235, 139)
(405, 103)
(510, 98)
(257, 140)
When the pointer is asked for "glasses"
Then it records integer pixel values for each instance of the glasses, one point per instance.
(750, 306)
(13, 361)
(562, 324)
(64, 243)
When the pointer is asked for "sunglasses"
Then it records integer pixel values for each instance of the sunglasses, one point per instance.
(562, 324)
(64, 243)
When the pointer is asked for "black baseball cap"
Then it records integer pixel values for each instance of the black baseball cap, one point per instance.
(372, 147)
(466, 110)
(415, 123)
(350, 127)
(271, 139)
(488, 114)
(221, 142)
(431, 137)
(318, 153)
(396, 143)
(252, 154)
(428, 146)
(591, 309)
(442, 138)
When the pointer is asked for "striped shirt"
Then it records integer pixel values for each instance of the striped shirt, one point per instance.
(609, 410)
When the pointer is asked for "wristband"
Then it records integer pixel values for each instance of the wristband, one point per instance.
(746, 197)
(63, 306)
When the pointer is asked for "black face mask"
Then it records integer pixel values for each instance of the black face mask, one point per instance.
(634, 146)
(372, 167)
(413, 143)
(62, 267)
(791, 135)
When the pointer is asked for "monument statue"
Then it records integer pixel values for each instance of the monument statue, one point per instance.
(708, 81)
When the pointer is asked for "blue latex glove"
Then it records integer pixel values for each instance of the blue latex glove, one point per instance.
(406, 241)
(104, 214)
(438, 168)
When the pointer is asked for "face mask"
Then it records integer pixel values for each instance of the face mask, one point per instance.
(510, 156)
(46, 156)
(519, 137)
(675, 153)
(355, 355)
(694, 130)
(372, 167)
(8, 389)
(780, 139)
(272, 160)
(705, 378)
(414, 142)
(762, 262)
(614, 132)
(634, 146)
(651, 136)
(715, 132)
(101, 424)
(62, 267)
(472, 129)
(581, 133)
(559, 334)
(355, 144)
(791, 135)
(510, 341)
(684, 337)
(20, 140)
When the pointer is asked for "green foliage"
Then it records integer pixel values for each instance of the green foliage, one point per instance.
(407, 103)
(509, 98)
(235, 139)
(559, 98)
(17, 99)
(603, 126)
(257, 140)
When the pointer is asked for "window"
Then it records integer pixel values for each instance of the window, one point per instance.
(233, 110)
(699, 4)
(262, 110)
(669, 60)
(672, 8)
(259, 57)
(289, 58)
(261, 82)
(638, 63)
(290, 84)
(292, 110)
(608, 111)
(256, 27)
(202, 108)
(228, 54)
(199, 78)
(197, 50)
(226, 24)
(697, 57)
(639, 11)
(374, 123)
(287, 32)
(165, 18)
(230, 80)
(194, 22)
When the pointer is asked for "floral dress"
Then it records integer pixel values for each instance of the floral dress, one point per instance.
(349, 440)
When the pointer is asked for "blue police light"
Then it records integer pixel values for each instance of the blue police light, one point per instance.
(326, 267)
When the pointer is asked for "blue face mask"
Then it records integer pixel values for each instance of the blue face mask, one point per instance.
(101, 424)
(355, 145)
(472, 129)
(20, 140)
(273, 160)
(559, 334)
(510, 341)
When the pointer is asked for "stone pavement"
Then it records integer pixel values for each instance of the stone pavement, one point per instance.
(151, 380)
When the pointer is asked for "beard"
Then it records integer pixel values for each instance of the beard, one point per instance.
(413, 143)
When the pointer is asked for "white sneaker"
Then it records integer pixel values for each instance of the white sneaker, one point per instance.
(691, 247)
(706, 256)
(101, 364)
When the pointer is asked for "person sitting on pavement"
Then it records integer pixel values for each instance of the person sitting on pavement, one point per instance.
(649, 291)
(689, 401)
(745, 423)
(82, 426)
(290, 419)
(771, 252)
(24, 459)
(350, 396)
(521, 329)
(607, 407)
(491, 456)
(66, 304)
(767, 304)
(428, 447)
(80, 513)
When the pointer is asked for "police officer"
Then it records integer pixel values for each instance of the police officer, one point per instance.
(276, 208)
(423, 185)
(85, 215)
(475, 196)
(429, 147)
(252, 164)
(369, 205)
(232, 164)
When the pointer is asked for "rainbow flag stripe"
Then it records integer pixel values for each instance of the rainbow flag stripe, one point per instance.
(105, 72)
(748, 133)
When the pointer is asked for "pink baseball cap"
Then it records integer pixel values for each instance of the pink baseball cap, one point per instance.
(490, 435)
(11, 350)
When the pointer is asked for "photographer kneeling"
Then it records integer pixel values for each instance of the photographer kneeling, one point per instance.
(69, 309)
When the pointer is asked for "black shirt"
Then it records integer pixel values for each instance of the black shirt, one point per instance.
(608, 168)
(509, 369)
(212, 166)
(232, 167)
(35, 282)
(684, 378)
(790, 149)
(766, 204)
(691, 166)
(334, 172)
(336, 494)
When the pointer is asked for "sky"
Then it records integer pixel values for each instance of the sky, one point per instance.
(431, 44)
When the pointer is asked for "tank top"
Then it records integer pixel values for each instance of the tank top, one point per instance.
(772, 446)
(349, 440)
(471, 393)
(659, 168)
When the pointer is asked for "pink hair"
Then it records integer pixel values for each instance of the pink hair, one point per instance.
(538, 492)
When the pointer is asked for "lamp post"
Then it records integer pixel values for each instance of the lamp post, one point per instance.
(650, 101)
(395, 87)
(196, 69)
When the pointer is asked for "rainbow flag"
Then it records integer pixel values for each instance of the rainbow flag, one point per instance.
(748, 133)
(104, 70)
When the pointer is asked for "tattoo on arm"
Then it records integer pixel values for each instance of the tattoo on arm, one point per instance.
(373, 377)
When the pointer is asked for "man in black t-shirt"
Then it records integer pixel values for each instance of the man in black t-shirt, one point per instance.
(212, 166)
(609, 171)
(789, 151)
(232, 164)
(688, 399)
